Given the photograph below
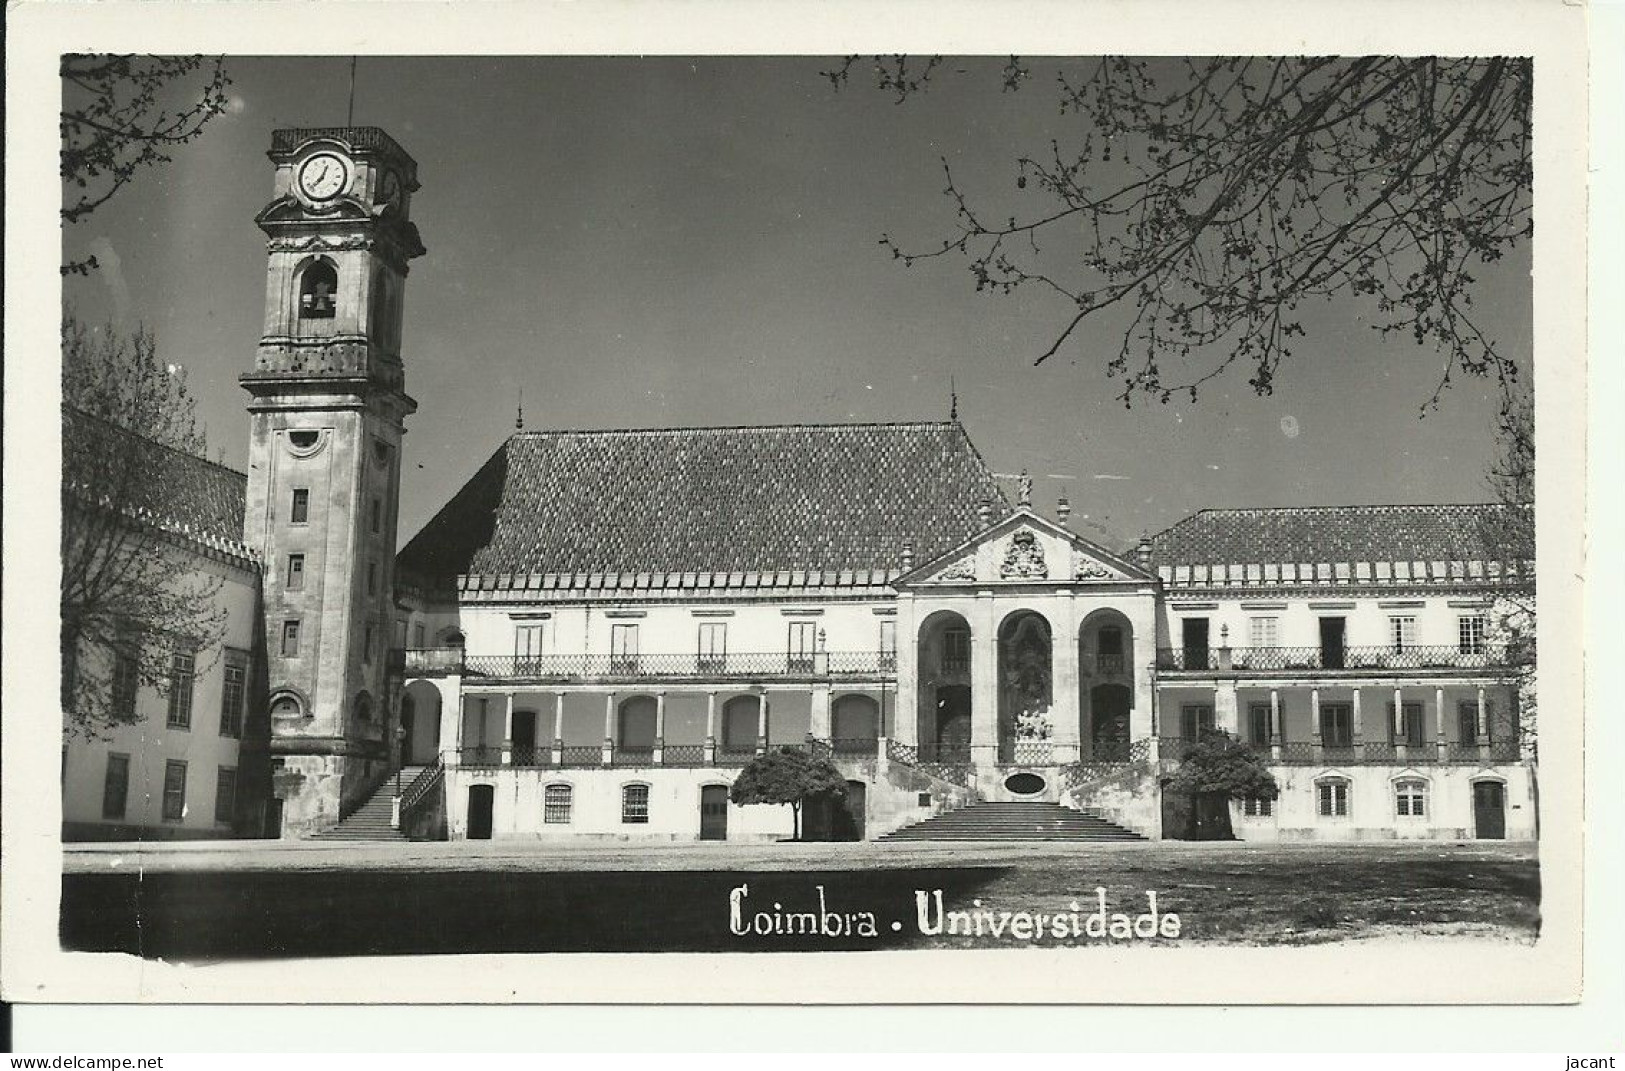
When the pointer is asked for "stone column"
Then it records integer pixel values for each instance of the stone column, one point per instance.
(1358, 727)
(558, 729)
(710, 728)
(609, 728)
(507, 728)
(660, 727)
(1275, 724)
(1442, 748)
(984, 706)
(1226, 715)
(1482, 727)
(451, 722)
(906, 712)
(1397, 731)
(1314, 724)
(819, 726)
(1065, 704)
(762, 722)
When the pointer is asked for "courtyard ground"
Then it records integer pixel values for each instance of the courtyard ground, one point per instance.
(229, 900)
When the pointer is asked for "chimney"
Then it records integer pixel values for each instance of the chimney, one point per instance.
(1063, 511)
(984, 512)
(908, 556)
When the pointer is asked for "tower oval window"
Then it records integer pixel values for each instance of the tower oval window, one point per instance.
(318, 291)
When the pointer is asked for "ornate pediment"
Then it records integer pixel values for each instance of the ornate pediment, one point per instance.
(1087, 567)
(1024, 558)
(960, 569)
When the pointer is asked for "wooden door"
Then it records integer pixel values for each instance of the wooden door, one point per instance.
(1489, 810)
(714, 812)
(480, 801)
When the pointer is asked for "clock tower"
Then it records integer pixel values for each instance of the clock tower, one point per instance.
(327, 409)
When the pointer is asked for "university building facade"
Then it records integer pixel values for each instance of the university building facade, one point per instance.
(597, 632)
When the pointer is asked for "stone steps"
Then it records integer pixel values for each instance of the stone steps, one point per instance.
(370, 821)
(1015, 821)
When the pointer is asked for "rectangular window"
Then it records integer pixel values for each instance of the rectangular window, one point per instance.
(1467, 721)
(300, 514)
(1410, 728)
(233, 693)
(225, 795)
(623, 648)
(713, 653)
(295, 578)
(556, 805)
(1332, 799)
(1402, 632)
(888, 644)
(1470, 628)
(182, 676)
(369, 640)
(527, 648)
(1410, 799)
(174, 791)
(377, 516)
(802, 644)
(115, 786)
(635, 804)
(955, 650)
(1263, 632)
(1194, 720)
(372, 578)
(1258, 723)
(418, 635)
(1193, 634)
(1336, 725)
(1257, 807)
(126, 682)
(290, 638)
(400, 633)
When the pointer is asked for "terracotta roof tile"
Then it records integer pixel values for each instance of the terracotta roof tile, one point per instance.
(1333, 534)
(181, 491)
(757, 500)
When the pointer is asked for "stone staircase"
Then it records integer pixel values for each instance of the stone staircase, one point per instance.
(1014, 821)
(370, 821)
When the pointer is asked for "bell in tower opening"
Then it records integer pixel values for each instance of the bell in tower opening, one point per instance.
(328, 405)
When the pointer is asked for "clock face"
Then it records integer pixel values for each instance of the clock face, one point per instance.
(323, 176)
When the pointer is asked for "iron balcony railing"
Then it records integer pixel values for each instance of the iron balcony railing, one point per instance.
(586, 756)
(1291, 659)
(1368, 752)
(735, 665)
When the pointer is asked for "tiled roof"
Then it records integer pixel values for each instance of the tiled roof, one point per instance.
(1336, 534)
(181, 492)
(693, 500)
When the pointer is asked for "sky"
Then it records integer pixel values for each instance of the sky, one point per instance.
(666, 242)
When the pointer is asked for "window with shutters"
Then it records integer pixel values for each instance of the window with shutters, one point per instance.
(1332, 798)
(1337, 725)
(233, 693)
(182, 678)
(225, 795)
(1402, 632)
(713, 653)
(1470, 630)
(1264, 632)
(527, 648)
(888, 644)
(116, 785)
(174, 791)
(803, 643)
(623, 648)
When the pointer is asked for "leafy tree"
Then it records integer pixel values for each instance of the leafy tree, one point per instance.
(1213, 771)
(1508, 536)
(123, 113)
(788, 776)
(124, 604)
(1219, 764)
(1205, 202)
